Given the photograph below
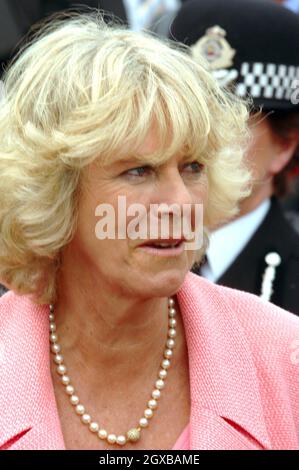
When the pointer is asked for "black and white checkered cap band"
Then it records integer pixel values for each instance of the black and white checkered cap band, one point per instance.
(270, 81)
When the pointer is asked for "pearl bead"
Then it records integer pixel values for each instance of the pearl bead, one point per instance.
(94, 427)
(65, 380)
(51, 308)
(165, 364)
(53, 338)
(152, 404)
(74, 399)
(121, 440)
(86, 419)
(58, 359)
(61, 369)
(172, 323)
(172, 312)
(52, 327)
(172, 333)
(168, 353)
(111, 438)
(171, 302)
(156, 394)
(160, 384)
(170, 343)
(69, 389)
(148, 413)
(55, 348)
(102, 434)
(143, 422)
(133, 434)
(80, 410)
(51, 317)
(162, 374)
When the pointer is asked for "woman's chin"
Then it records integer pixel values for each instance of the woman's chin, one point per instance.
(164, 285)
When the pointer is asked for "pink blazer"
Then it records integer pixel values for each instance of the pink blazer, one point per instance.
(243, 363)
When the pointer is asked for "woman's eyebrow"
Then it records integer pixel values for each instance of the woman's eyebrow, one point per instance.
(133, 161)
(142, 160)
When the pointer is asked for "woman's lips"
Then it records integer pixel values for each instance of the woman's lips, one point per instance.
(176, 248)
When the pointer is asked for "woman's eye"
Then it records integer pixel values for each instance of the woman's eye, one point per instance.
(194, 167)
(139, 171)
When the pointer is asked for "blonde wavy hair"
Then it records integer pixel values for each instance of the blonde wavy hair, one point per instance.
(83, 90)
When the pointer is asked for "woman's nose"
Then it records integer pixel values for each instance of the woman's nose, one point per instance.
(173, 190)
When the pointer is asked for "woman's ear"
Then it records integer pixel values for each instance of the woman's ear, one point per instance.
(285, 149)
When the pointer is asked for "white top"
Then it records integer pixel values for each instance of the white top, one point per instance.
(292, 5)
(227, 242)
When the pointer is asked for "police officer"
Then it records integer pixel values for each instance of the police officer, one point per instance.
(252, 47)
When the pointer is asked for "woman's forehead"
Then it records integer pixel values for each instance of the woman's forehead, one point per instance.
(152, 150)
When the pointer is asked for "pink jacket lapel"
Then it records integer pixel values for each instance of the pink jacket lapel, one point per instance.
(29, 418)
(226, 409)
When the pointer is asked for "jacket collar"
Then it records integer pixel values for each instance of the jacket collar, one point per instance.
(226, 409)
(273, 234)
(30, 416)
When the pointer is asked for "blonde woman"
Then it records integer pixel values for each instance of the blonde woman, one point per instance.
(111, 342)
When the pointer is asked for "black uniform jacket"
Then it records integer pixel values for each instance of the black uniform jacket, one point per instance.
(275, 234)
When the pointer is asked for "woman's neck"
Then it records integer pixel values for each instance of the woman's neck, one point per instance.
(101, 330)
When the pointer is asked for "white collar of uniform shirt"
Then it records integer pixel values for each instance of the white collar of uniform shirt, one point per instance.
(234, 236)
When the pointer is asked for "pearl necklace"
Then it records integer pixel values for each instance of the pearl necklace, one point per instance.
(134, 434)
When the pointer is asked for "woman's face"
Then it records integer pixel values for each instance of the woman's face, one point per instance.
(266, 156)
(128, 265)
(262, 149)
